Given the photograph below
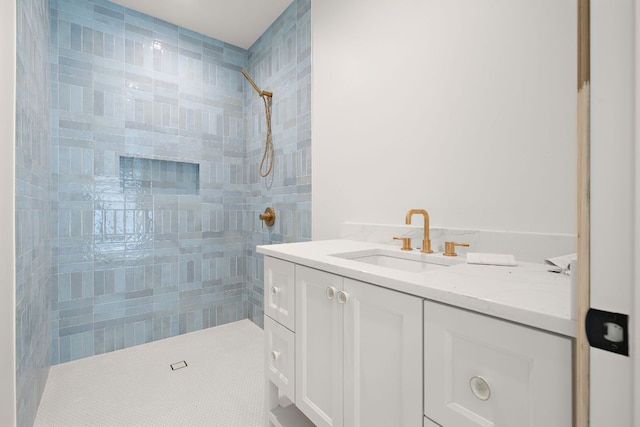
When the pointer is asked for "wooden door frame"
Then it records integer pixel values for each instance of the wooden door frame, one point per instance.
(581, 349)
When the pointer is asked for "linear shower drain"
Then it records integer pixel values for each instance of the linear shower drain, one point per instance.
(178, 365)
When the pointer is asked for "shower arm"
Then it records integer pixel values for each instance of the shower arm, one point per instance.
(255, 86)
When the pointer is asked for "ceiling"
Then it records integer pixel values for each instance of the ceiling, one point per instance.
(238, 22)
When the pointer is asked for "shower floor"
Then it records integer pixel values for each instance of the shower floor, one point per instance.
(222, 384)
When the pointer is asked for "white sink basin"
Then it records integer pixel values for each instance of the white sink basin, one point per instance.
(414, 261)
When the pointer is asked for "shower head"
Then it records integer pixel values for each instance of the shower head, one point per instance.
(255, 86)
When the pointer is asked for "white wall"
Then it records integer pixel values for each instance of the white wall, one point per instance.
(466, 108)
(7, 224)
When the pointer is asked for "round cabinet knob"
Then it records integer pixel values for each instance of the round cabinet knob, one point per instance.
(275, 355)
(331, 292)
(275, 290)
(480, 388)
(343, 297)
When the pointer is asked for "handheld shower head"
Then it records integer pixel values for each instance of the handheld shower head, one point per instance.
(268, 145)
(255, 86)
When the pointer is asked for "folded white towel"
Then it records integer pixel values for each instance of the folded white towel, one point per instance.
(491, 259)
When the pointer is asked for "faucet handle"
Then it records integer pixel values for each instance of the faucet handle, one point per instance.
(268, 217)
(450, 248)
(406, 243)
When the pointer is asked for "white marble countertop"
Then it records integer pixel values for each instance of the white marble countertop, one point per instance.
(527, 294)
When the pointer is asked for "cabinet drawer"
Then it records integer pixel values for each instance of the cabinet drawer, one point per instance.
(280, 356)
(279, 296)
(481, 371)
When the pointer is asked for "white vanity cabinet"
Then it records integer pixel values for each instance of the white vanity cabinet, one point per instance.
(358, 352)
(351, 344)
(482, 371)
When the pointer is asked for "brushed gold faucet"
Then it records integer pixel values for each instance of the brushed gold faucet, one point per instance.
(426, 241)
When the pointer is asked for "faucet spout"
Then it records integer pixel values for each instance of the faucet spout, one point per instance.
(426, 241)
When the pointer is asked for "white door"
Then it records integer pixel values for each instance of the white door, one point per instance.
(319, 347)
(383, 357)
(615, 226)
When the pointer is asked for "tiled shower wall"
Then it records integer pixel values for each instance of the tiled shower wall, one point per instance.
(147, 171)
(33, 251)
(280, 61)
(156, 139)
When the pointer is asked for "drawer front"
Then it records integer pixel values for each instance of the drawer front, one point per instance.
(279, 296)
(280, 357)
(481, 371)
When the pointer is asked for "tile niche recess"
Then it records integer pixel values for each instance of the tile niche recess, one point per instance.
(159, 176)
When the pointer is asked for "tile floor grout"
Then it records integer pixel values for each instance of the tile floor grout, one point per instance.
(223, 384)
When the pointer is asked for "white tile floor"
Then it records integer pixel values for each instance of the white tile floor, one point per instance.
(223, 384)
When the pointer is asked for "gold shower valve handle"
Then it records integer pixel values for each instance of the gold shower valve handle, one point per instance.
(406, 243)
(268, 217)
(450, 248)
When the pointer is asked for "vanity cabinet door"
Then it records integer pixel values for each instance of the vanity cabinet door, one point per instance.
(383, 357)
(319, 347)
(279, 291)
(481, 371)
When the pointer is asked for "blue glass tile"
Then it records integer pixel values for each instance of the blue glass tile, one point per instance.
(119, 280)
(87, 40)
(88, 344)
(98, 341)
(119, 336)
(76, 37)
(64, 287)
(98, 283)
(76, 285)
(139, 333)
(64, 345)
(109, 340)
(109, 46)
(76, 346)
(129, 335)
(98, 103)
(109, 9)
